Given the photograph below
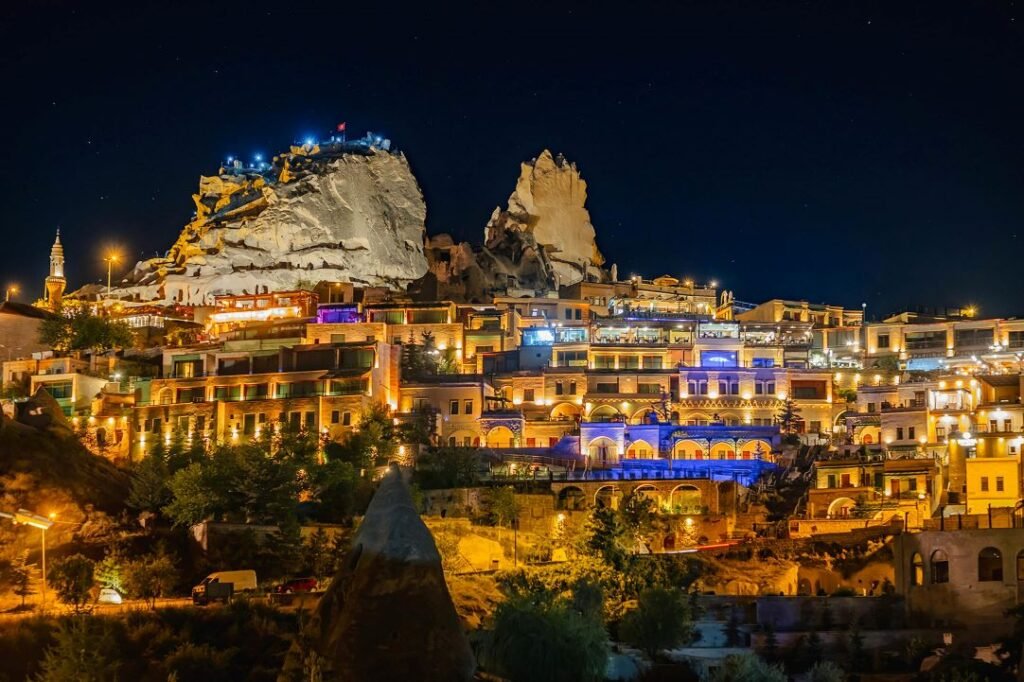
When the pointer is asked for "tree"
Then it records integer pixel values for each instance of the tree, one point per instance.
(149, 487)
(317, 555)
(150, 578)
(110, 572)
(84, 650)
(660, 621)
(447, 467)
(638, 512)
(747, 668)
(502, 505)
(77, 328)
(606, 537)
(23, 577)
(788, 415)
(71, 579)
(546, 641)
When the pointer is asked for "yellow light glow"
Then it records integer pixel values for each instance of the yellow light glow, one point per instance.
(255, 315)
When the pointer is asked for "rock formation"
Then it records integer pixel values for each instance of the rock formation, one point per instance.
(387, 614)
(336, 211)
(549, 205)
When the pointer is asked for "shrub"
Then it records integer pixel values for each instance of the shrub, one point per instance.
(660, 621)
(72, 579)
(546, 642)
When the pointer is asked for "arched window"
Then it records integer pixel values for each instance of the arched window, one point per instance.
(916, 569)
(940, 567)
(990, 565)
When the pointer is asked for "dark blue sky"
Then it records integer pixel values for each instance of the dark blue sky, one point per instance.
(834, 151)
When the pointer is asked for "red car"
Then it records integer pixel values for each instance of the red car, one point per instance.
(297, 585)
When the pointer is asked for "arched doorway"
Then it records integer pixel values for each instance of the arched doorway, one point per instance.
(572, 499)
(841, 508)
(685, 499)
(723, 451)
(688, 449)
(604, 413)
(755, 449)
(602, 451)
(650, 492)
(565, 412)
(640, 449)
(500, 437)
(644, 415)
(607, 496)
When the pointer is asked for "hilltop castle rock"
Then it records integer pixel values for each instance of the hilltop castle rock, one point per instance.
(549, 205)
(348, 212)
(542, 241)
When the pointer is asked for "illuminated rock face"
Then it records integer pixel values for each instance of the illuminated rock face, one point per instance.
(549, 204)
(314, 215)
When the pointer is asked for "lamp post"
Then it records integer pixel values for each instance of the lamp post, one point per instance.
(43, 523)
(11, 290)
(110, 260)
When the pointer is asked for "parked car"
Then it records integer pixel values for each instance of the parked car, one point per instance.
(297, 585)
(108, 595)
(222, 586)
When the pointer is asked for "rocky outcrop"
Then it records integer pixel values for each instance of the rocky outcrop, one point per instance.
(346, 212)
(387, 614)
(549, 206)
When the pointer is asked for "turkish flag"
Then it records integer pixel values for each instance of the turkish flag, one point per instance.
(341, 127)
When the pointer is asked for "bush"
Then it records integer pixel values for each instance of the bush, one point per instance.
(72, 579)
(660, 621)
(546, 642)
(84, 650)
(150, 578)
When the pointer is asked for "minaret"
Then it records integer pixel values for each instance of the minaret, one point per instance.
(55, 283)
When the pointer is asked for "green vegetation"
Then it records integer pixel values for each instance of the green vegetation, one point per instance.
(77, 328)
(539, 638)
(660, 621)
(241, 642)
(71, 579)
(150, 577)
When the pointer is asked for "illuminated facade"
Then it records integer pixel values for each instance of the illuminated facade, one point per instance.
(55, 282)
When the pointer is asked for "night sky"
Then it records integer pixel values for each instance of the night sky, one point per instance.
(839, 152)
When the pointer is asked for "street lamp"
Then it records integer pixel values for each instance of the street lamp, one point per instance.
(11, 290)
(110, 260)
(43, 523)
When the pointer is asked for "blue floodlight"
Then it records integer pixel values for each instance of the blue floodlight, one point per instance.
(259, 157)
(231, 159)
(309, 141)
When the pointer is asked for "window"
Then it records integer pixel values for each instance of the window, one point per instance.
(911, 484)
(310, 420)
(910, 432)
(249, 424)
(346, 419)
(990, 565)
(916, 569)
(629, 362)
(572, 388)
(467, 407)
(899, 433)
(652, 362)
(883, 340)
(453, 407)
(335, 417)
(528, 395)
(831, 480)
(559, 388)
(815, 426)
(999, 484)
(568, 313)
(940, 567)
(579, 313)
(984, 484)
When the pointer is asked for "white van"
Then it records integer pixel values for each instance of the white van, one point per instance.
(222, 585)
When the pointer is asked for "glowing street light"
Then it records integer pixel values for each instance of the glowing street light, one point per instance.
(11, 291)
(43, 523)
(110, 260)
